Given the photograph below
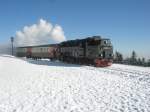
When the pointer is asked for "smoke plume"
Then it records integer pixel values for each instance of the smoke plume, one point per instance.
(41, 33)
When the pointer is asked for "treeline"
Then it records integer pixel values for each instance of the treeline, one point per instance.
(132, 60)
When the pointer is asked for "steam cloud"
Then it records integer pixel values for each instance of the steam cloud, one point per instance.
(41, 33)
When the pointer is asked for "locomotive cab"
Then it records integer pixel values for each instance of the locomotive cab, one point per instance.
(105, 53)
(106, 49)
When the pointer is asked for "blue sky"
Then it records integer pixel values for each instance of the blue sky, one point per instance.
(125, 22)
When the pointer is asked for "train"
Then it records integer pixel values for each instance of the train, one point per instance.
(95, 50)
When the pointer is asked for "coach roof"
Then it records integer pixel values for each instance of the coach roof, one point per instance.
(47, 45)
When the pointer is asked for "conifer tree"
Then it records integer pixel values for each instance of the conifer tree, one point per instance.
(118, 57)
(133, 59)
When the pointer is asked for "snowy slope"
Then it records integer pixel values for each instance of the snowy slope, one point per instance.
(44, 86)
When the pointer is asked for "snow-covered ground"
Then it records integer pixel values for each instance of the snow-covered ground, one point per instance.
(44, 86)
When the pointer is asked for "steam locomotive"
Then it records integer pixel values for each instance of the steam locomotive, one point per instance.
(94, 50)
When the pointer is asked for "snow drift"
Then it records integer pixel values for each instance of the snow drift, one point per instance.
(44, 86)
(41, 33)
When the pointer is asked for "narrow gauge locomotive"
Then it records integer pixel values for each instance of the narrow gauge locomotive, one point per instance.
(94, 50)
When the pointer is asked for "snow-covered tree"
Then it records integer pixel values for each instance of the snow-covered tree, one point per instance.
(139, 61)
(118, 57)
(148, 63)
(133, 59)
(143, 61)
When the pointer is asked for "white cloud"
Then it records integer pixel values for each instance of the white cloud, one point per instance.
(41, 33)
